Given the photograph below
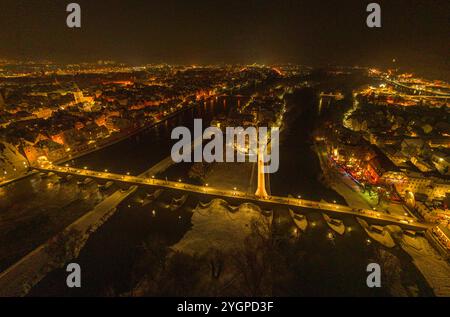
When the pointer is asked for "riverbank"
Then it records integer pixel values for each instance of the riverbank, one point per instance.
(13, 180)
(214, 223)
(35, 209)
(19, 278)
(346, 190)
(431, 265)
(213, 255)
(213, 226)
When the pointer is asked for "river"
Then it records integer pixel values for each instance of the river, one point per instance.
(110, 254)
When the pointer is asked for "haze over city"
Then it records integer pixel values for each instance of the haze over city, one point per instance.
(202, 31)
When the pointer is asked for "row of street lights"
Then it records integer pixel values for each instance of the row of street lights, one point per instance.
(234, 190)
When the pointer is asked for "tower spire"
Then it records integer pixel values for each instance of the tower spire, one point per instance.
(261, 189)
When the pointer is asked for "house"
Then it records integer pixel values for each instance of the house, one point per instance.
(94, 132)
(52, 150)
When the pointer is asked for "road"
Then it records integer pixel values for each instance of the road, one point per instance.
(433, 94)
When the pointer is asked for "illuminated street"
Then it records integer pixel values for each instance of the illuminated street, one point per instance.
(408, 222)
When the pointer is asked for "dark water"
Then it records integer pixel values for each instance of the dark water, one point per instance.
(36, 208)
(329, 265)
(108, 257)
(299, 166)
(140, 152)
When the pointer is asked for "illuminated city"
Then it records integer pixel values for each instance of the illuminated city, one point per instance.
(292, 172)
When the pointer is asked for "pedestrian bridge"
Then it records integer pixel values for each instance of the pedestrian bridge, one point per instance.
(405, 222)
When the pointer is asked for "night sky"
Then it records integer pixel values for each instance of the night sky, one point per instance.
(234, 31)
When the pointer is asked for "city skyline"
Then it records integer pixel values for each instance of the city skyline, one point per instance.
(199, 32)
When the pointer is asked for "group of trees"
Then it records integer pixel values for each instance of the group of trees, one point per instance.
(246, 271)
(199, 171)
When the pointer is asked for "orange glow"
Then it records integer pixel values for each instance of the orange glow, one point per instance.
(278, 71)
